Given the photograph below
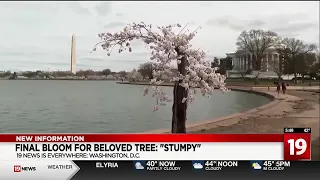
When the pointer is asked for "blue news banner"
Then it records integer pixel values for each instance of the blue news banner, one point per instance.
(209, 169)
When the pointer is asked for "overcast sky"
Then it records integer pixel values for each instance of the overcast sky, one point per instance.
(37, 35)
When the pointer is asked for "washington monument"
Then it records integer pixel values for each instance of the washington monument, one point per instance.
(73, 55)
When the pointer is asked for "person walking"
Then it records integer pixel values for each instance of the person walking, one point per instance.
(284, 88)
(278, 88)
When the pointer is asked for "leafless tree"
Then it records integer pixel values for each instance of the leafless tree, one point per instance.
(294, 48)
(257, 42)
(277, 66)
(146, 69)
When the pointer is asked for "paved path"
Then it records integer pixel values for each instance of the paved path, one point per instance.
(290, 88)
(298, 108)
(295, 109)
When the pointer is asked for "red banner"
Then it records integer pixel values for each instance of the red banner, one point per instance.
(141, 137)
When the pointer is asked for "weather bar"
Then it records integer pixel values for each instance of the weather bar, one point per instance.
(197, 165)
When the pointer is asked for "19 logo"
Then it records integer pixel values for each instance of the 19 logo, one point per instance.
(297, 146)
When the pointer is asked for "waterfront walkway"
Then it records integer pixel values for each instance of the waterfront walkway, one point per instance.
(297, 108)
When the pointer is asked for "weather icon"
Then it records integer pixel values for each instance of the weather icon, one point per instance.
(197, 166)
(138, 165)
(256, 166)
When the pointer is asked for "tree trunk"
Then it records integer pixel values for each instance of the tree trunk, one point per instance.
(151, 72)
(242, 76)
(294, 69)
(279, 78)
(259, 62)
(256, 80)
(295, 78)
(249, 58)
(179, 109)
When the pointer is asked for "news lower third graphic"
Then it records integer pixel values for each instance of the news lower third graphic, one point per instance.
(99, 170)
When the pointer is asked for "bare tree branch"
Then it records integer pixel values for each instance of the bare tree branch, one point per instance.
(257, 42)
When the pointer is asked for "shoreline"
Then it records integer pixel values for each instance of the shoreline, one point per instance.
(204, 123)
(275, 100)
(57, 80)
(296, 108)
(228, 84)
(231, 82)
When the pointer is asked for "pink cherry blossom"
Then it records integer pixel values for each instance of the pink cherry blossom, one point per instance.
(155, 108)
(164, 44)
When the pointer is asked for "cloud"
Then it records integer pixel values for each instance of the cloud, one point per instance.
(256, 166)
(141, 53)
(286, 17)
(138, 165)
(229, 22)
(104, 8)
(291, 24)
(191, 23)
(91, 58)
(197, 166)
(17, 53)
(137, 44)
(76, 7)
(256, 23)
(280, 24)
(119, 14)
(46, 7)
(38, 63)
(205, 4)
(132, 61)
(295, 27)
(114, 25)
(37, 35)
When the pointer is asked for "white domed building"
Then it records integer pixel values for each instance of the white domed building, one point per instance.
(242, 62)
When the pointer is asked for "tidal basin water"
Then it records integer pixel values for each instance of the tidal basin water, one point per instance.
(101, 107)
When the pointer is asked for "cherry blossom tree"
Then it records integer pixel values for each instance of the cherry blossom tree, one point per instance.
(168, 45)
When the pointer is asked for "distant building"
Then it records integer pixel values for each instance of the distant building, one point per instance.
(110, 77)
(73, 55)
(21, 77)
(242, 61)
